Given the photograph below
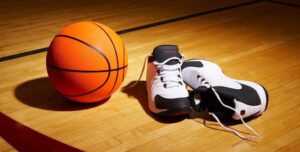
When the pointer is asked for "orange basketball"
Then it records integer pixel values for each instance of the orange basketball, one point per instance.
(86, 62)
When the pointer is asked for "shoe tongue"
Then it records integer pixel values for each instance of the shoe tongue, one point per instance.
(164, 52)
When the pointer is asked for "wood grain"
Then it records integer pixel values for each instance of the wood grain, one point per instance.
(258, 43)
(29, 25)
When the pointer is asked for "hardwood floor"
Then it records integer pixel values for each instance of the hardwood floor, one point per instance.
(259, 42)
(37, 22)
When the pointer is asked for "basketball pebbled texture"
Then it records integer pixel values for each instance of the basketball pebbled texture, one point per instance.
(86, 62)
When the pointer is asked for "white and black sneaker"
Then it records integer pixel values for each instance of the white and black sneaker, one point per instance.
(221, 95)
(167, 94)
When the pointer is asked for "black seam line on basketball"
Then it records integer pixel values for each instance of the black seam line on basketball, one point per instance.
(284, 3)
(86, 93)
(116, 53)
(84, 71)
(137, 28)
(123, 62)
(88, 45)
(98, 51)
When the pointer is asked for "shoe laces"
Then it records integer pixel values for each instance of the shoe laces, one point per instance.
(141, 74)
(202, 81)
(170, 75)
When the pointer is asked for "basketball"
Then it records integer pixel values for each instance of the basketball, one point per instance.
(86, 62)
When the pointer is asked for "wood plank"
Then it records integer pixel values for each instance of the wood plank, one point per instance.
(29, 25)
(258, 43)
(291, 146)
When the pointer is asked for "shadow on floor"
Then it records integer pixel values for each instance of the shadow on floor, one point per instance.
(140, 93)
(39, 93)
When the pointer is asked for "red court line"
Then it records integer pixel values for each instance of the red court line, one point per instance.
(26, 139)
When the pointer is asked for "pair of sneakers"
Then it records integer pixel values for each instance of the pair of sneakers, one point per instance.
(213, 91)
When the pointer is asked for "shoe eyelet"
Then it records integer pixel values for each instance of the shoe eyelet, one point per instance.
(179, 76)
(242, 112)
(180, 82)
(165, 85)
(158, 72)
(161, 79)
(198, 76)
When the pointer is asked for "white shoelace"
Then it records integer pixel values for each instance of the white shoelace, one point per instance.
(169, 73)
(203, 82)
(142, 72)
